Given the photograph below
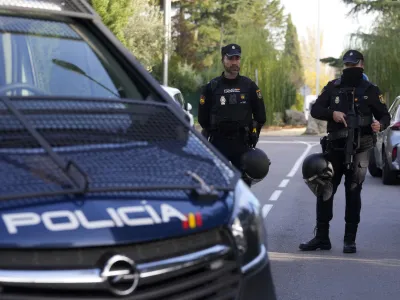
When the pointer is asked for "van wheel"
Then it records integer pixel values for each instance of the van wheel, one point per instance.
(372, 167)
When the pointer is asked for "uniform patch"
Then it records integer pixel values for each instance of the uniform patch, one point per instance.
(202, 100)
(242, 97)
(222, 100)
(232, 99)
(259, 94)
(227, 91)
(381, 99)
(337, 100)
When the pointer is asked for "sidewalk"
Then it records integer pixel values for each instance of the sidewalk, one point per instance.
(283, 132)
(278, 131)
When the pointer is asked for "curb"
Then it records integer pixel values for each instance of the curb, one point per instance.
(282, 132)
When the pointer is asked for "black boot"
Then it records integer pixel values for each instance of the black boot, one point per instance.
(349, 244)
(320, 241)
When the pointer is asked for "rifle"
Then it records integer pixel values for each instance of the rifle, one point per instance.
(353, 121)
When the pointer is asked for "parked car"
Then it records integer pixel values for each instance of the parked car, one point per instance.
(178, 97)
(384, 158)
(106, 190)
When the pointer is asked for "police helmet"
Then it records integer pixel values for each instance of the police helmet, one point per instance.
(255, 165)
(318, 173)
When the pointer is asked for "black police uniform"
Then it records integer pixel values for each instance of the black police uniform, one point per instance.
(368, 102)
(232, 112)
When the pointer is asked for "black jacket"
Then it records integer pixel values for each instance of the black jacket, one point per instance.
(237, 100)
(370, 104)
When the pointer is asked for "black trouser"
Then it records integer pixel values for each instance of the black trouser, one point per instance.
(354, 179)
(232, 148)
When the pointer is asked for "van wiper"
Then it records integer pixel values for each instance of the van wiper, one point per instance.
(204, 192)
(198, 193)
(74, 68)
(76, 176)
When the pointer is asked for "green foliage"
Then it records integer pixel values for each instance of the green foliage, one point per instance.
(292, 54)
(299, 103)
(144, 33)
(181, 75)
(114, 14)
(199, 30)
(381, 47)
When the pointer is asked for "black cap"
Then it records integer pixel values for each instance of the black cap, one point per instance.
(352, 56)
(231, 50)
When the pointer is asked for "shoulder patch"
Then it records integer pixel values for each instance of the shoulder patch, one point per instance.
(202, 100)
(382, 99)
(259, 94)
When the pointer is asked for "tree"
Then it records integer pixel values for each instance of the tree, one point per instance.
(369, 6)
(144, 33)
(381, 46)
(114, 14)
(292, 54)
(309, 57)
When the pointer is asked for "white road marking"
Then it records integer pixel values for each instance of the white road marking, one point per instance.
(266, 209)
(275, 195)
(299, 161)
(284, 183)
(281, 142)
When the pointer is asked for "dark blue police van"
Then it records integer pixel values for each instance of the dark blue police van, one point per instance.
(106, 190)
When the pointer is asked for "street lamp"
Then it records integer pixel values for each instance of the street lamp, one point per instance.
(167, 30)
(318, 49)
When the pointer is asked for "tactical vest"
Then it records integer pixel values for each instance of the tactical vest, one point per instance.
(338, 102)
(231, 111)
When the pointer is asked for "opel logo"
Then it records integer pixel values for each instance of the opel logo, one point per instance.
(121, 275)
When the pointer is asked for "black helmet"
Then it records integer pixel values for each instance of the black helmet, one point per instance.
(318, 174)
(255, 164)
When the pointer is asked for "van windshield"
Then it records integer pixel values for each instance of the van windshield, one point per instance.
(42, 57)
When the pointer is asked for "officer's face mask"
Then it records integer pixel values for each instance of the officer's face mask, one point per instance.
(352, 76)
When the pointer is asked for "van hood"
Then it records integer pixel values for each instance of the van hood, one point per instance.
(101, 222)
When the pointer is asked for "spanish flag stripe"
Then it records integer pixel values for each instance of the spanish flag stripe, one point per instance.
(185, 224)
(192, 221)
(199, 221)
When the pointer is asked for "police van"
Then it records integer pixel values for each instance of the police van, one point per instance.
(106, 190)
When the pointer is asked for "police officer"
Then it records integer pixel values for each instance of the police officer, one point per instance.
(332, 106)
(231, 109)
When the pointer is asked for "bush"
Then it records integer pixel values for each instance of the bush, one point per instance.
(299, 103)
(180, 75)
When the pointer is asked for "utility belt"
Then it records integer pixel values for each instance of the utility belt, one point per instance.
(363, 121)
(328, 141)
(230, 131)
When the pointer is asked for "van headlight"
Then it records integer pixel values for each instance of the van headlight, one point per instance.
(247, 227)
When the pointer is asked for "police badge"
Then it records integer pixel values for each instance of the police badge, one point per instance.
(222, 100)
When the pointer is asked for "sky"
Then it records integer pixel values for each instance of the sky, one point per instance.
(334, 24)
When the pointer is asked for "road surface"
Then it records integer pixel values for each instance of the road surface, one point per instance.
(289, 210)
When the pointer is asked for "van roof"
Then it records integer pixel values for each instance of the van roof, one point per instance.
(170, 89)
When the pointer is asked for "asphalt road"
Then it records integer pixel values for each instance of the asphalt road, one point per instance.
(289, 210)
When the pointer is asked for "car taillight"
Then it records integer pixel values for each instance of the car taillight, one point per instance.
(394, 153)
(395, 126)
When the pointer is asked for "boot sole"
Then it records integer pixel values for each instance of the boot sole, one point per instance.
(325, 247)
(349, 250)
